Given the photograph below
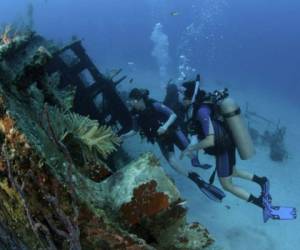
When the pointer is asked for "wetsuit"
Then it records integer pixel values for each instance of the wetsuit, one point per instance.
(224, 149)
(147, 122)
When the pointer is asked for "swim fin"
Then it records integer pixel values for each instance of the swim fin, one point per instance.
(211, 191)
(278, 212)
(283, 213)
(275, 212)
(266, 190)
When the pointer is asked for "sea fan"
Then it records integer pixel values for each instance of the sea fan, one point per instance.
(96, 142)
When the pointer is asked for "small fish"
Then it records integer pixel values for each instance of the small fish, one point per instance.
(174, 13)
(131, 80)
(182, 203)
(130, 63)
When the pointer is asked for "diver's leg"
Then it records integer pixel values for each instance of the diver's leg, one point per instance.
(242, 174)
(241, 193)
(210, 191)
(261, 181)
(176, 166)
(181, 141)
(227, 184)
(225, 170)
(168, 152)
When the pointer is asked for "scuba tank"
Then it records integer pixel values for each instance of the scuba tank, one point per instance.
(231, 113)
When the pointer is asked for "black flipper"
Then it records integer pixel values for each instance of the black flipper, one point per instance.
(211, 191)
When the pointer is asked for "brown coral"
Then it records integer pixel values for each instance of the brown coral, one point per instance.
(97, 235)
(98, 172)
(6, 124)
(146, 202)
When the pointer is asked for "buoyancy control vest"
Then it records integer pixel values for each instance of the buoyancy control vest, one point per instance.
(228, 124)
(222, 135)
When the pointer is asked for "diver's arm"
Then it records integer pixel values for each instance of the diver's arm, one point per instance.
(208, 141)
(128, 134)
(203, 116)
(133, 131)
(194, 139)
(166, 112)
(170, 121)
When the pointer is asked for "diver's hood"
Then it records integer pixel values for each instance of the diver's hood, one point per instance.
(138, 93)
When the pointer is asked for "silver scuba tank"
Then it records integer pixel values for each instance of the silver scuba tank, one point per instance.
(231, 113)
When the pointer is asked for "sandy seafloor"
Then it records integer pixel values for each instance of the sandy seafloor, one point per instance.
(236, 224)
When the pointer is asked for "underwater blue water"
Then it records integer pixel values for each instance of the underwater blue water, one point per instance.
(256, 42)
(252, 46)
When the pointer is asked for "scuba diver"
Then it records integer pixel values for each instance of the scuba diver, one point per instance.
(216, 120)
(157, 123)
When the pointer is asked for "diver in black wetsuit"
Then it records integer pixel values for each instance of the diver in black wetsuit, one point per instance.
(156, 122)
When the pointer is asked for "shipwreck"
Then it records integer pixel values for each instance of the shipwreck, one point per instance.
(65, 182)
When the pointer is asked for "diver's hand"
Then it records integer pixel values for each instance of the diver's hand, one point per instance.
(188, 151)
(161, 130)
(122, 138)
(183, 154)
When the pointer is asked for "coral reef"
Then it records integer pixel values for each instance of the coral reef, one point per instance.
(5, 38)
(149, 204)
(57, 189)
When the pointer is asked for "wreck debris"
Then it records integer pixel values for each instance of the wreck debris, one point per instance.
(150, 207)
(19, 189)
(11, 45)
(34, 71)
(120, 80)
(273, 138)
(114, 111)
(114, 73)
(102, 101)
(45, 145)
(71, 225)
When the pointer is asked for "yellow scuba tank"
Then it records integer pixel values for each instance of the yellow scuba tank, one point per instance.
(231, 113)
